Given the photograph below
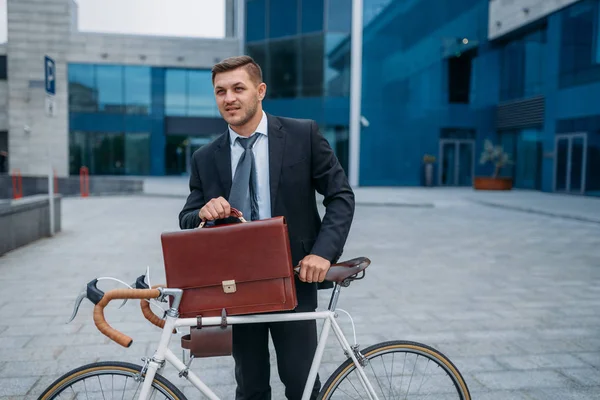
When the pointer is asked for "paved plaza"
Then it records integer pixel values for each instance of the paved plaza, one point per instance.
(511, 296)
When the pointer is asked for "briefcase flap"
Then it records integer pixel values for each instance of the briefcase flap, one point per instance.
(227, 255)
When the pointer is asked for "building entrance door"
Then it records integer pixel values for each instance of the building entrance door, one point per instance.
(457, 161)
(570, 163)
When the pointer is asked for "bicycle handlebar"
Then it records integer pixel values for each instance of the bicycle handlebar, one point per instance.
(120, 294)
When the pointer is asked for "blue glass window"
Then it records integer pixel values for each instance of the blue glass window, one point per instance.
(201, 100)
(255, 20)
(138, 90)
(339, 16)
(337, 71)
(83, 96)
(109, 81)
(175, 92)
(312, 15)
(579, 45)
(283, 18)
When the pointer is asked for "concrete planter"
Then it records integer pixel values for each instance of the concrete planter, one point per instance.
(490, 183)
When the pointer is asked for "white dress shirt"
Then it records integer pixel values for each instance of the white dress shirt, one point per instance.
(261, 159)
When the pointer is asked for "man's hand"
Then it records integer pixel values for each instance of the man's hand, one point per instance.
(313, 268)
(217, 208)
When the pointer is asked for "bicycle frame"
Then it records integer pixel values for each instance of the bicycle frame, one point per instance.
(163, 353)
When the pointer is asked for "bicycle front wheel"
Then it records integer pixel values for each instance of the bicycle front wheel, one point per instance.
(399, 369)
(113, 380)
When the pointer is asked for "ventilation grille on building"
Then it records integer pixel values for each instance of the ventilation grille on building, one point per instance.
(521, 113)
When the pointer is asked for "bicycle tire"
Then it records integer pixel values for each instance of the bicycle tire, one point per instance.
(397, 346)
(98, 369)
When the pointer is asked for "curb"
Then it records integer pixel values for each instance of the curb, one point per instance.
(539, 212)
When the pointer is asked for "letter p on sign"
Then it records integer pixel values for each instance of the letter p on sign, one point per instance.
(50, 69)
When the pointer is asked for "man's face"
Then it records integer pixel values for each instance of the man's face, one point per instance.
(238, 96)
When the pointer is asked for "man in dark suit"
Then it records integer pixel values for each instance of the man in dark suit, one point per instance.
(289, 160)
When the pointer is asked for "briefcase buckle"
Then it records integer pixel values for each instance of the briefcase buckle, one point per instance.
(229, 286)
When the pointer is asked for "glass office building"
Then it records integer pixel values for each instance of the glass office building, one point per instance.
(434, 83)
(138, 120)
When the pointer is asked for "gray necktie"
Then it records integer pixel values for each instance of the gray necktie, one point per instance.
(243, 189)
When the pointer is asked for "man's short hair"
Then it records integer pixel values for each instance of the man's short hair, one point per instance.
(232, 63)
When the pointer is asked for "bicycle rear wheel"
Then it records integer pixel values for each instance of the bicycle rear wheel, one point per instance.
(110, 379)
(399, 369)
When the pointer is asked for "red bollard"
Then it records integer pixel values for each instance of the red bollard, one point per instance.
(55, 182)
(84, 181)
(17, 184)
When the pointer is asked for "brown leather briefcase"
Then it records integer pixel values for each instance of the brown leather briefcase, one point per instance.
(242, 268)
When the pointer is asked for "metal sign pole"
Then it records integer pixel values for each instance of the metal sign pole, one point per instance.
(50, 88)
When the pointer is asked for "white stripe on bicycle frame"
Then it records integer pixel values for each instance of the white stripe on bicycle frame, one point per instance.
(253, 319)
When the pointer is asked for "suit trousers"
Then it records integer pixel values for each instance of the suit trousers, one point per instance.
(295, 345)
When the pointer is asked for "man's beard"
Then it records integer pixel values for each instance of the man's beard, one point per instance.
(250, 113)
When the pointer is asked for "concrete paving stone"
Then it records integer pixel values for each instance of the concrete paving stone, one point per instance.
(512, 380)
(540, 361)
(574, 393)
(576, 333)
(14, 342)
(435, 275)
(477, 364)
(42, 384)
(500, 395)
(498, 334)
(541, 346)
(15, 369)
(16, 386)
(72, 328)
(584, 376)
(46, 341)
(17, 354)
(592, 358)
(474, 348)
(588, 343)
(12, 397)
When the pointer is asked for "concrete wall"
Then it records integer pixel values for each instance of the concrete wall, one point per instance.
(88, 47)
(71, 186)
(508, 15)
(37, 28)
(26, 220)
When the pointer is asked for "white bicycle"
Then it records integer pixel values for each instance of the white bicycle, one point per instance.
(372, 373)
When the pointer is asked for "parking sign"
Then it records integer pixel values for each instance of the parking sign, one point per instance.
(50, 69)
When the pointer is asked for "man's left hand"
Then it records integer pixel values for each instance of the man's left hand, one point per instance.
(313, 268)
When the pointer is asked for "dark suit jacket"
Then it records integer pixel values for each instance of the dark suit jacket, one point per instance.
(300, 162)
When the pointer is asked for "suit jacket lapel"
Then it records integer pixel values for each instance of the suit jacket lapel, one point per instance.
(276, 149)
(223, 162)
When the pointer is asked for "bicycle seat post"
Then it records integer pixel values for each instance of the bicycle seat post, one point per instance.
(334, 297)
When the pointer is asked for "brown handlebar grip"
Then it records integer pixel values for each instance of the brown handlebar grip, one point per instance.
(150, 316)
(100, 321)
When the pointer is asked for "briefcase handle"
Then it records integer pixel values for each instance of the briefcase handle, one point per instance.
(234, 213)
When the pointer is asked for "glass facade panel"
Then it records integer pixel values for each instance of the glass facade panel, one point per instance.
(109, 83)
(283, 18)
(175, 92)
(523, 66)
(137, 153)
(255, 20)
(138, 88)
(283, 68)
(312, 15)
(579, 55)
(336, 75)
(83, 96)
(313, 47)
(339, 15)
(107, 153)
(201, 101)
(259, 53)
(525, 150)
